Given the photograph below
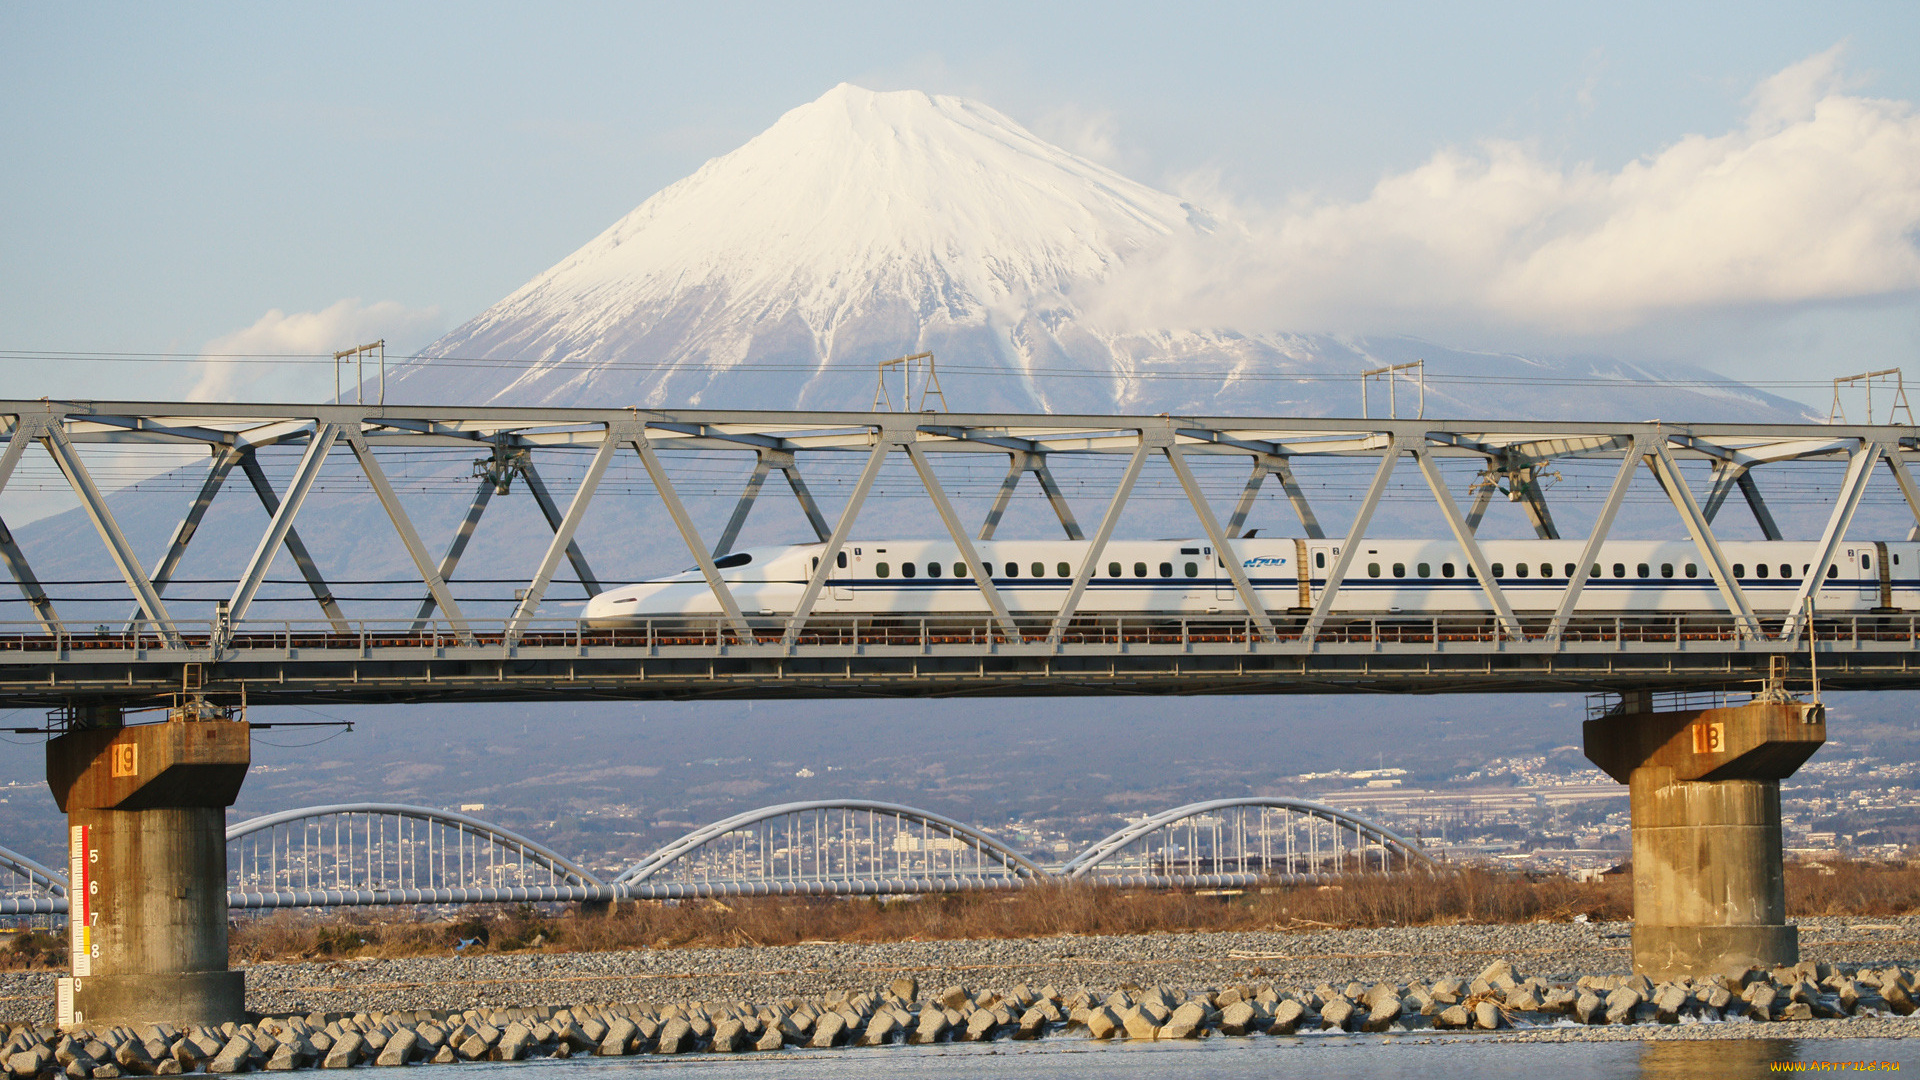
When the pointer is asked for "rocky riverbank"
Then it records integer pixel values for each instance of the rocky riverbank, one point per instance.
(1541, 981)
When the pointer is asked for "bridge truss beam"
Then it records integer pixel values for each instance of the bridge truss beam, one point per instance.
(443, 652)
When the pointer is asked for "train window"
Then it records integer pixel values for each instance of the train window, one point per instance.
(907, 570)
(933, 569)
(1063, 570)
(1833, 571)
(1373, 569)
(1642, 570)
(728, 562)
(1739, 569)
(1013, 569)
(1139, 569)
(1866, 562)
(1690, 570)
(1166, 569)
(1596, 570)
(1113, 569)
(1193, 569)
(1424, 570)
(1666, 569)
(1039, 569)
(1786, 570)
(959, 569)
(1760, 570)
(840, 559)
(1499, 569)
(1399, 569)
(1546, 570)
(1519, 569)
(1446, 569)
(881, 569)
(1320, 559)
(1619, 569)
(816, 562)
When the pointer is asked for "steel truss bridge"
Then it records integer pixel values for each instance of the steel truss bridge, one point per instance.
(445, 652)
(363, 854)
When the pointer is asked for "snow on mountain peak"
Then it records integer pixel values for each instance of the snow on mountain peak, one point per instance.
(913, 209)
(863, 226)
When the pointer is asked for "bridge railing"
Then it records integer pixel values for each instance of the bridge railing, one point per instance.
(258, 637)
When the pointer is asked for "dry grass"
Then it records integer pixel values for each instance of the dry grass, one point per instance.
(1853, 887)
(1473, 895)
(1469, 896)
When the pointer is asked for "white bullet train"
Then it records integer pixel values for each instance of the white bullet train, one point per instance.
(1182, 577)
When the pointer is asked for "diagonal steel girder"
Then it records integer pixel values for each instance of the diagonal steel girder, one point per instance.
(281, 512)
(563, 531)
(551, 511)
(1343, 558)
(1024, 462)
(225, 457)
(1221, 543)
(798, 485)
(296, 548)
(1463, 535)
(663, 485)
(1668, 474)
(1276, 465)
(1852, 488)
(982, 574)
(1904, 478)
(409, 536)
(456, 548)
(765, 461)
(1102, 534)
(1603, 524)
(24, 433)
(748, 495)
(70, 465)
(836, 541)
(1731, 476)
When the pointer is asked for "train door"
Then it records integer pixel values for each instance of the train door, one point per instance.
(1863, 567)
(840, 578)
(1316, 563)
(1223, 589)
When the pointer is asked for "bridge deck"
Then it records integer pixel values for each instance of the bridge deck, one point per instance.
(927, 657)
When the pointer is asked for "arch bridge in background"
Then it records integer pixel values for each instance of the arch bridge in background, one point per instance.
(1224, 843)
(30, 888)
(372, 853)
(830, 847)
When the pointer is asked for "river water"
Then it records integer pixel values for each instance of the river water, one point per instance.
(1363, 1058)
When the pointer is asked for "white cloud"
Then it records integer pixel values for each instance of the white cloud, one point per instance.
(1093, 134)
(1815, 198)
(273, 358)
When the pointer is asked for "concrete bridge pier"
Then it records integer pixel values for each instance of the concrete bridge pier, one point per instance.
(1709, 886)
(147, 865)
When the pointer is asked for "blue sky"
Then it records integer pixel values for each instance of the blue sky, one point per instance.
(176, 174)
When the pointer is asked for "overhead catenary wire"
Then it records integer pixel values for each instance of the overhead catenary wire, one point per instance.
(1144, 372)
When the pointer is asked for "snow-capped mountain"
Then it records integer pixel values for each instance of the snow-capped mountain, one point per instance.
(866, 225)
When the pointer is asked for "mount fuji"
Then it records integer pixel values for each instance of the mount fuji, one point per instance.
(864, 226)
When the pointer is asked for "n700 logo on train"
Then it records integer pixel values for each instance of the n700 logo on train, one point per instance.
(1265, 562)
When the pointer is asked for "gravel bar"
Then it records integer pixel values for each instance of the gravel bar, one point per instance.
(1410, 961)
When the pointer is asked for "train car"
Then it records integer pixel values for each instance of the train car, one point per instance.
(1185, 577)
